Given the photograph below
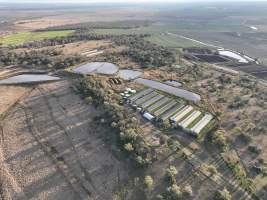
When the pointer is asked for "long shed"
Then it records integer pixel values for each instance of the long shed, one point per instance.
(145, 98)
(187, 121)
(140, 94)
(151, 101)
(171, 112)
(158, 104)
(181, 114)
(165, 108)
(197, 128)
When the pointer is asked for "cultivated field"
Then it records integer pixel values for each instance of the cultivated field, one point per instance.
(23, 37)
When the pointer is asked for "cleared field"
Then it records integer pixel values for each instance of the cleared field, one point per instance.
(22, 37)
(171, 41)
(158, 36)
(54, 150)
(211, 58)
(259, 71)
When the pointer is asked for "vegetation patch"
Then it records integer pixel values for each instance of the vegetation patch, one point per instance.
(233, 162)
(118, 118)
(23, 37)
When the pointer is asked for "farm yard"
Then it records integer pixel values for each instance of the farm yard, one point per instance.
(165, 109)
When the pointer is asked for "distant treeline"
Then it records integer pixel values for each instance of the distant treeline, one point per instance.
(128, 24)
(51, 59)
(76, 37)
(144, 52)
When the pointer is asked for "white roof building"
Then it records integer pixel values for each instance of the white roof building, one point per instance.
(196, 129)
(148, 116)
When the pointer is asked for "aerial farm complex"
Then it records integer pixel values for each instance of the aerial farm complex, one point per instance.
(160, 107)
(118, 102)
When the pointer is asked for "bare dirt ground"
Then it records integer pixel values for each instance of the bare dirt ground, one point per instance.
(80, 47)
(51, 149)
(9, 96)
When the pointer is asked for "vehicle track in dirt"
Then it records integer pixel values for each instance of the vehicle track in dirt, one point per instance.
(60, 164)
(87, 179)
(53, 148)
(4, 172)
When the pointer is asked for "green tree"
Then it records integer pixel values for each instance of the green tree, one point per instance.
(223, 195)
(128, 147)
(148, 181)
(174, 192)
(187, 190)
(171, 172)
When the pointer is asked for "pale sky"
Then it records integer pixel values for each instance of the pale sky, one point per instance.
(117, 1)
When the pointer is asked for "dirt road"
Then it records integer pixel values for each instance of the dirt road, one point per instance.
(51, 149)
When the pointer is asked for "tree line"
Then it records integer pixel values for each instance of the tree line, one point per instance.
(121, 121)
(144, 52)
(39, 59)
(126, 24)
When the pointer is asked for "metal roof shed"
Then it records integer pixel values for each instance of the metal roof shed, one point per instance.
(187, 121)
(145, 98)
(164, 108)
(158, 104)
(171, 112)
(140, 94)
(181, 114)
(148, 116)
(201, 124)
(151, 101)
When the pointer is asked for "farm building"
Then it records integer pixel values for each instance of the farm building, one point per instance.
(158, 104)
(140, 94)
(165, 108)
(173, 83)
(181, 114)
(188, 120)
(170, 113)
(198, 127)
(148, 116)
(145, 98)
(151, 101)
(155, 105)
(190, 96)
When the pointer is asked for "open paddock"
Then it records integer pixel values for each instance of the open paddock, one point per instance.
(211, 58)
(259, 71)
(23, 37)
(197, 50)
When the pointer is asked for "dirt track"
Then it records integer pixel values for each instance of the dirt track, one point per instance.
(51, 149)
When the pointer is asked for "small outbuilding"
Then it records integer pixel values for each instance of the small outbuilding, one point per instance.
(148, 116)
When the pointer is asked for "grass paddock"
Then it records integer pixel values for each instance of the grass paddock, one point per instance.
(23, 37)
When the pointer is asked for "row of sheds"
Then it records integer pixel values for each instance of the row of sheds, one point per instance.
(156, 106)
